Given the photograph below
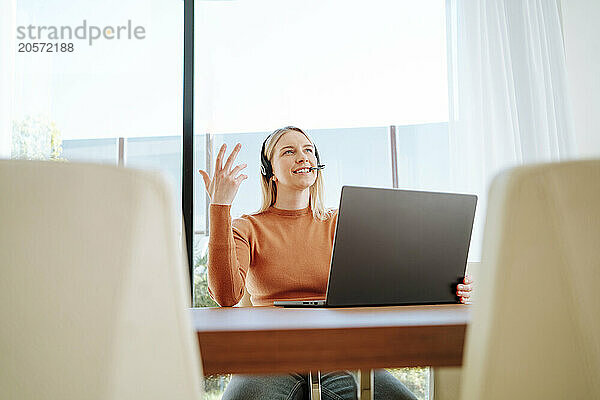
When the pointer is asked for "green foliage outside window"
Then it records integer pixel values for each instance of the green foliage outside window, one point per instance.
(201, 296)
(415, 379)
(36, 138)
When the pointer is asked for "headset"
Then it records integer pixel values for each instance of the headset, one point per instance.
(265, 165)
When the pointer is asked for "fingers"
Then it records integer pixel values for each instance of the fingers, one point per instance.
(464, 295)
(241, 178)
(232, 157)
(206, 179)
(224, 184)
(237, 169)
(219, 162)
(463, 291)
(465, 288)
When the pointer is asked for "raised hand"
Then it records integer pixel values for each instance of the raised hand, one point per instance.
(225, 183)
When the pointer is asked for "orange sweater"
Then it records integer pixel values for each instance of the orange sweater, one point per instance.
(277, 255)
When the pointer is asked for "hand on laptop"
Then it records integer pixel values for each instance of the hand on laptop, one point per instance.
(463, 291)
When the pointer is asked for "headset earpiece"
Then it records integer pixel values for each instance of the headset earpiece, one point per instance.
(265, 165)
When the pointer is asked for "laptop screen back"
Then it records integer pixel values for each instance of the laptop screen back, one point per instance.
(399, 247)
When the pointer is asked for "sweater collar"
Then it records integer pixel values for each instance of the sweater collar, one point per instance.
(290, 213)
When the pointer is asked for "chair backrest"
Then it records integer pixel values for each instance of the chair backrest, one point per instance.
(93, 287)
(536, 320)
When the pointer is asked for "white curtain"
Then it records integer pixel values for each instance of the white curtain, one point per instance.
(508, 92)
(7, 65)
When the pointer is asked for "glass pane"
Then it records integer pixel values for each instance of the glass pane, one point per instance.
(158, 154)
(423, 157)
(353, 156)
(199, 189)
(108, 70)
(115, 72)
(326, 64)
(103, 151)
(201, 297)
(104, 88)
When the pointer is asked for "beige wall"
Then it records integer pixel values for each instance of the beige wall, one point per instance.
(581, 27)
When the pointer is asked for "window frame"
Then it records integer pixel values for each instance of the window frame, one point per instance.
(187, 173)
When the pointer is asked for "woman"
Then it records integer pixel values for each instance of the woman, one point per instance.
(280, 253)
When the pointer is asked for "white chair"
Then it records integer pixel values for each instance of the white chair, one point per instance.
(93, 286)
(535, 330)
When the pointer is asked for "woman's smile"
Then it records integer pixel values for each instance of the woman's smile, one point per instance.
(303, 171)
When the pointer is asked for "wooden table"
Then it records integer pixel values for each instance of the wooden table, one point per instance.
(275, 340)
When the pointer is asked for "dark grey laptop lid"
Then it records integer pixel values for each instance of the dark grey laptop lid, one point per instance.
(399, 247)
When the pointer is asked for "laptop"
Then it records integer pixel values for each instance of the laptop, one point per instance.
(397, 247)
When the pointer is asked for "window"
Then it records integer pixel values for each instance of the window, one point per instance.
(368, 80)
(75, 104)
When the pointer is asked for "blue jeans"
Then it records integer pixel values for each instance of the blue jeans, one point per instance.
(334, 386)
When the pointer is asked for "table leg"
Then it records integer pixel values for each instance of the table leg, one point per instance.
(314, 385)
(365, 384)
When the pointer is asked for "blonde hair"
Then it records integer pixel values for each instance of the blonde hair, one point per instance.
(269, 187)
